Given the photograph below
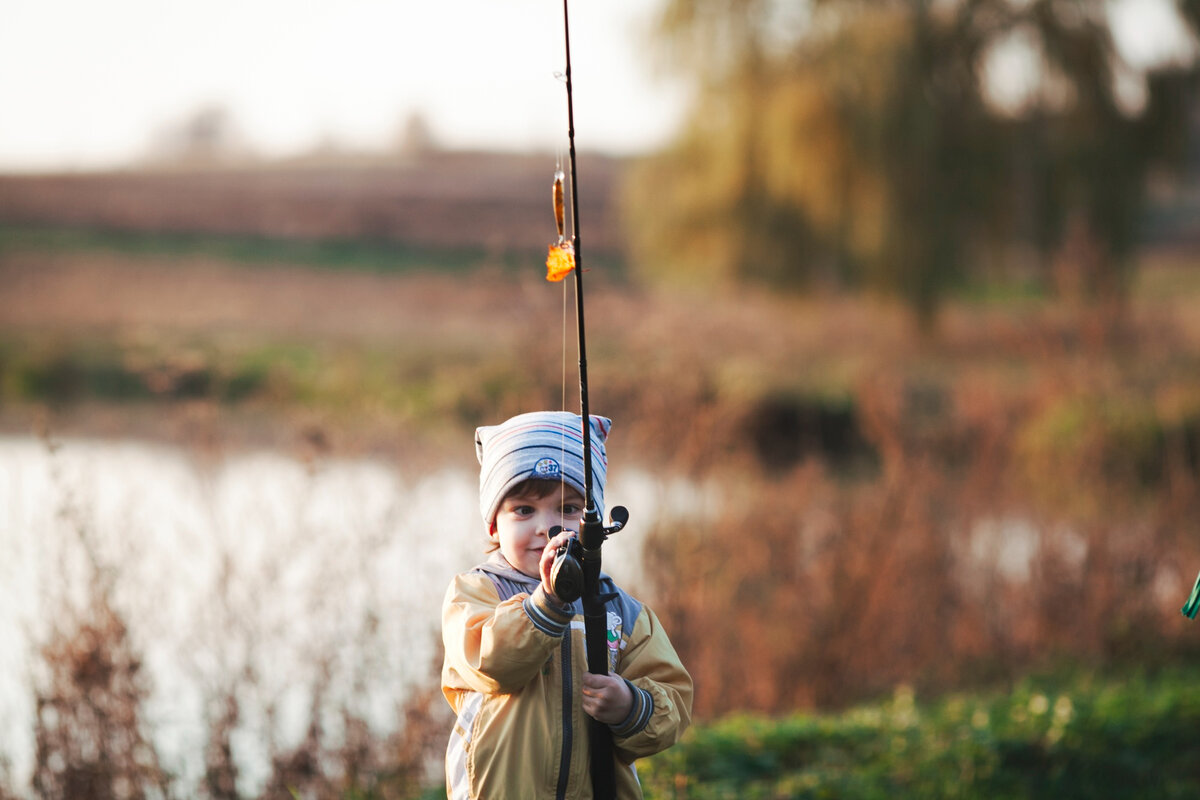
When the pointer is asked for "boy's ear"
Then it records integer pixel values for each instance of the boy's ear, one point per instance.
(492, 529)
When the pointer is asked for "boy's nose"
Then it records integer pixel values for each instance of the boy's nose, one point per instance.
(550, 525)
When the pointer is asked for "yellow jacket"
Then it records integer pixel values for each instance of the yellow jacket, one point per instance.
(512, 674)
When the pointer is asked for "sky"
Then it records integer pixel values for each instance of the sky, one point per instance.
(89, 84)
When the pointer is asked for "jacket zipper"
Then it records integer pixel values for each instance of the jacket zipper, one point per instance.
(564, 764)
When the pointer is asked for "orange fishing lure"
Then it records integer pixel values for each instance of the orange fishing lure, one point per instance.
(560, 260)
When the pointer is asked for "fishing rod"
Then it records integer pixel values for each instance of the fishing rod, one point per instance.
(576, 571)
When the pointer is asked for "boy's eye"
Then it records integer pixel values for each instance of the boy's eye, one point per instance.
(571, 510)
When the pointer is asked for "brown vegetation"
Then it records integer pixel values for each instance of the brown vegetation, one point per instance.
(890, 507)
(497, 204)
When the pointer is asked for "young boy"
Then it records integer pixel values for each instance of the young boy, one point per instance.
(515, 670)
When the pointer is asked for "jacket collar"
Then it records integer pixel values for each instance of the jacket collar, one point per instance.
(498, 565)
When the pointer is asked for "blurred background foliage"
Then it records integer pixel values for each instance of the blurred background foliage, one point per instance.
(922, 333)
(879, 144)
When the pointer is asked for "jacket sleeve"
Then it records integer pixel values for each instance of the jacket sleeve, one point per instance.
(662, 692)
(496, 647)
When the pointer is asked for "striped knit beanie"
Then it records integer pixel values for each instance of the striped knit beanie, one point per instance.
(547, 445)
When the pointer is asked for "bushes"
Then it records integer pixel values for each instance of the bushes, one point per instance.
(1083, 738)
(1004, 528)
(1098, 441)
(63, 372)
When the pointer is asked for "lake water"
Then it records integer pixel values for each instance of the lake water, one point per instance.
(252, 564)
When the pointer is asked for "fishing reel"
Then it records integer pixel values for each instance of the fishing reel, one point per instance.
(566, 574)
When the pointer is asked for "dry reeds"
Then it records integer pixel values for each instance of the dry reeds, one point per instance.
(1000, 531)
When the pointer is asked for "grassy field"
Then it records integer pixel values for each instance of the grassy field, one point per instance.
(1082, 736)
(474, 201)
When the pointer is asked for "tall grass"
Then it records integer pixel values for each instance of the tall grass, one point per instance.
(1079, 736)
(993, 539)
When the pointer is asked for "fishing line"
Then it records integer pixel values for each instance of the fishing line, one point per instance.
(562, 456)
(557, 173)
(558, 192)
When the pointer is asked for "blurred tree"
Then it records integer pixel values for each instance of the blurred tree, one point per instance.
(208, 136)
(415, 137)
(862, 142)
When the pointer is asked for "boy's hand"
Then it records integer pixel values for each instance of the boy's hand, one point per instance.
(606, 698)
(547, 562)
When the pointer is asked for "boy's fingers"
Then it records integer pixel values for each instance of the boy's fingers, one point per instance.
(595, 684)
(554, 543)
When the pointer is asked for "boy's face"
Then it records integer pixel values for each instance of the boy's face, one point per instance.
(523, 524)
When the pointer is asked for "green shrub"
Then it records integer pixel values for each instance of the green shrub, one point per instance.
(1098, 441)
(1084, 738)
